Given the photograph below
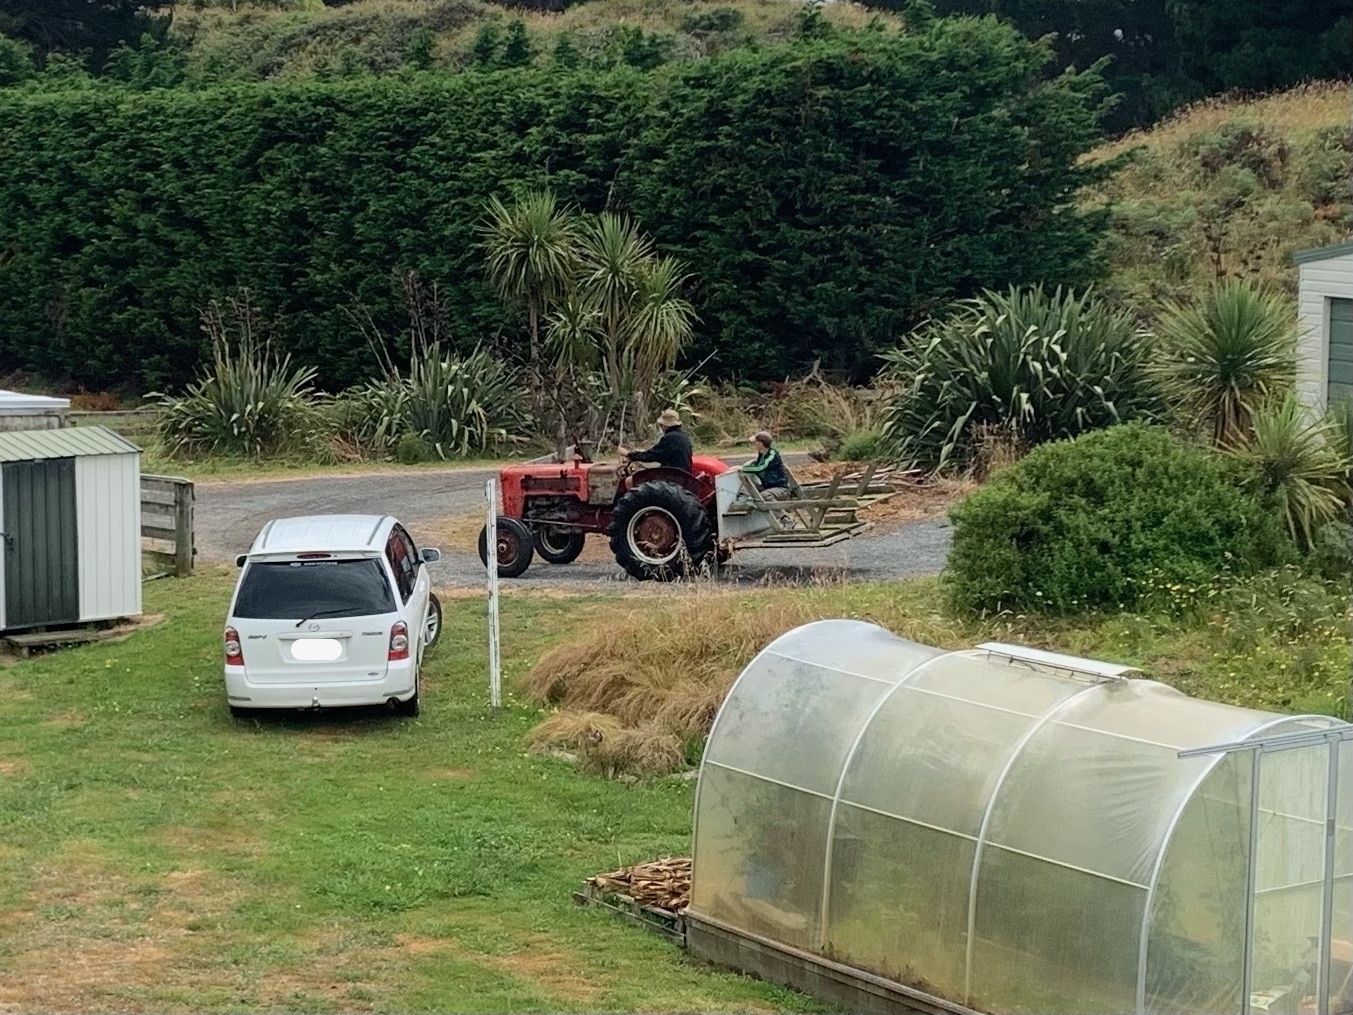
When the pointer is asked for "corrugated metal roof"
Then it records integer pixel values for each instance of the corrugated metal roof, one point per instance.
(1322, 253)
(71, 442)
(16, 402)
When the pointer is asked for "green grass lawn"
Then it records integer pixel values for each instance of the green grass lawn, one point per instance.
(156, 854)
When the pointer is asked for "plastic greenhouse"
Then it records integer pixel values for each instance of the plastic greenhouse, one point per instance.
(1015, 831)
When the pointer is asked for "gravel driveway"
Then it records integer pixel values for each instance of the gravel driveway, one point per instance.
(229, 515)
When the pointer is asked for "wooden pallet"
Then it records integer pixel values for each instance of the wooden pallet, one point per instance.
(661, 921)
(24, 644)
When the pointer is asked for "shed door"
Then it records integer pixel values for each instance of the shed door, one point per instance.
(1341, 351)
(41, 574)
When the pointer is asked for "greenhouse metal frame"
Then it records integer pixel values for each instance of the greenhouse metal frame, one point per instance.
(1022, 831)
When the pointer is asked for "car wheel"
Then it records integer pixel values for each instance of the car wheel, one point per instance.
(516, 547)
(432, 622)
(411, 708)
(558, 546)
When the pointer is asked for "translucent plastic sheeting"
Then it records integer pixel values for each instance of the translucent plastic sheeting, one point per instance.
(1195, 959)
(1000, 833)
(1341, 933)
(1290, 871)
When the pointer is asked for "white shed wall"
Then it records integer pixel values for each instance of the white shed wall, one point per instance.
(1320, 280)
(108, 520)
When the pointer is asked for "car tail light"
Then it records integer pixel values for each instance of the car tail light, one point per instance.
(234, 656)
(399, 642)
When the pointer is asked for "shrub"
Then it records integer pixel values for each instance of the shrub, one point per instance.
(1085, 524)
(412, 449)
(250, 402)
(1041, 366)
(1331, 555)
(861, 446)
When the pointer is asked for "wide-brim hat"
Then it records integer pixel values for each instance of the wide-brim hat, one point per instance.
(669, 417)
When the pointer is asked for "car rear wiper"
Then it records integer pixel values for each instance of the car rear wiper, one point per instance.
(323, 613)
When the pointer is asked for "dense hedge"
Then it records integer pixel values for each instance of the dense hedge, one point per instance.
(828, 192)
(1099, 521)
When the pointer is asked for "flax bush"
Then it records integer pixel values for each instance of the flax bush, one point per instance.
(458, 405)
(249, 401)
(1038, 365)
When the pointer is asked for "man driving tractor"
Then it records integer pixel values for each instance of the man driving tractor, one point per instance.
(673, 450)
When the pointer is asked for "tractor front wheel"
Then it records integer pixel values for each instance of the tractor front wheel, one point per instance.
(558, 546)
(660, 531)
(516, 546)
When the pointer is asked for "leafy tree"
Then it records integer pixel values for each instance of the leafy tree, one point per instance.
(16, 61)
(625, 315)
(533, 251)
(836, 191)
(1262, 44)
(565, 52)
(76, 26)
(517, 49)
(1165, 52)
(488, 41)
(418, 53)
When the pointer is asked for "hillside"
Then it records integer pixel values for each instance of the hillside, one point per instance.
(376, 36)
(1229, 187)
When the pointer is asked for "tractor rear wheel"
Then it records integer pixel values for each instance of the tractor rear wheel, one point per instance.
(516, 546)
(558, 546)
(660, 531)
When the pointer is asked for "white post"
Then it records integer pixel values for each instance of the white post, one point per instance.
(491, 541)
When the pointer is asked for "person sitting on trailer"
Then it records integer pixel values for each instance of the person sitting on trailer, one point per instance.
(769, 474)
(673, 450)
(768, 471)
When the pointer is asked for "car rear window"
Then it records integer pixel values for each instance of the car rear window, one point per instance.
(297, 589)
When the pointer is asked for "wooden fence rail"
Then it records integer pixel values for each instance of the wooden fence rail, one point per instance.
(138, 421)
(167, 520)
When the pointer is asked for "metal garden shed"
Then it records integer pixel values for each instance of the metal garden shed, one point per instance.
(70, 524)
(1325, 309)
(898, 828)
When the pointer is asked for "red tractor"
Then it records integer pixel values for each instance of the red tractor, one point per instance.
(663, 523)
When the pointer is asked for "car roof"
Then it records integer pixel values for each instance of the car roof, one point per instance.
(336, 533)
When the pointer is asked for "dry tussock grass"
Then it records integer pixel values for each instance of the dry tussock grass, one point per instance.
(764, 18)
(659, 673)
(811, 407)
(676, 672)
(607, 746)
(1301, 110)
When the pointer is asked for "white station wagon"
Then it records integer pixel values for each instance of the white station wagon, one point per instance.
(330, 610)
